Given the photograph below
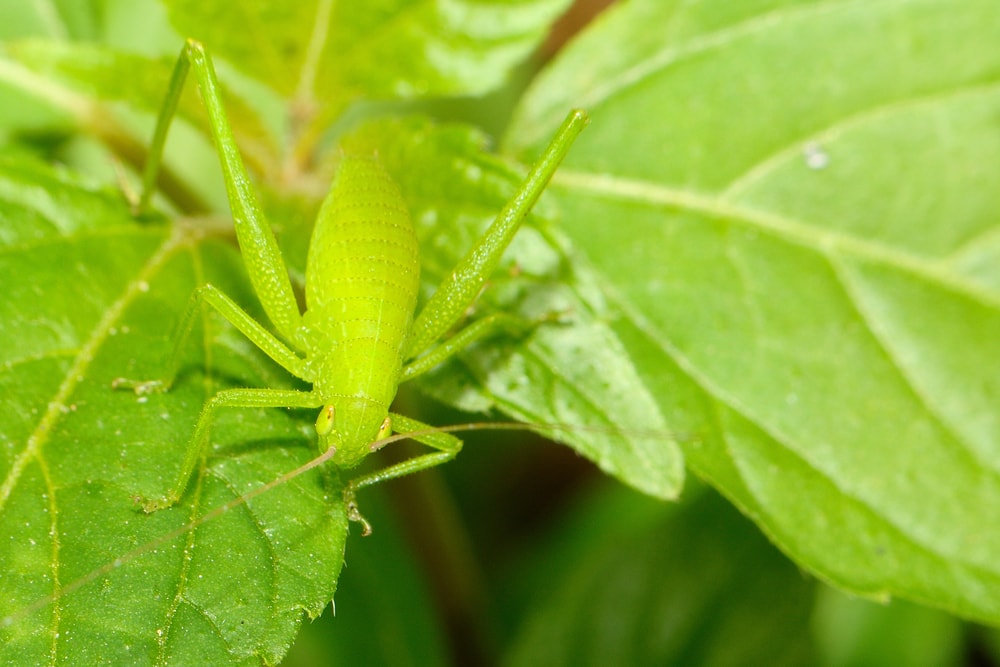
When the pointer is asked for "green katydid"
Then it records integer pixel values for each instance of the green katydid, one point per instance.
(357, 338)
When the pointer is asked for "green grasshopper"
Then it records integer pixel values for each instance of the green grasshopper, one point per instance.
(358, 338)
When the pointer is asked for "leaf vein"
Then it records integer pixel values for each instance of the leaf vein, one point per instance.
(57, 406)
(788, 228)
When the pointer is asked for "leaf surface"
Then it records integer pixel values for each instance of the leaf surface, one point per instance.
(100, 303)
(101, 449)
(809, 192)
(235, 587)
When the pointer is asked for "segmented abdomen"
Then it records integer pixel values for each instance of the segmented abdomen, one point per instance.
(361, 279)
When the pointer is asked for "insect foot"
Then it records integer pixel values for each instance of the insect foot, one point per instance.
(149, 506)
(141, 388)
(353, 513)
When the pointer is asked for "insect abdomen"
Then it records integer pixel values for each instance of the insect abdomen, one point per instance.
(361, 279)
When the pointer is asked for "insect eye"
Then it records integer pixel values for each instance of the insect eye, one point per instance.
(325, 421)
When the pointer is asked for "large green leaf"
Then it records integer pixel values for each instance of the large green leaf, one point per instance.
(73, 440)
(89, 295)
(809, 191)
(86, 564)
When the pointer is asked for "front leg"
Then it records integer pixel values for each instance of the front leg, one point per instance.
(227, 398)
(459, 290)
(259, 247)
(448, 447)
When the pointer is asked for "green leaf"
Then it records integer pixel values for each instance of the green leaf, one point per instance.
(640, 583)
(87, 567)
(332, 53)
(111, 447)
(91, 295)
(794, 206)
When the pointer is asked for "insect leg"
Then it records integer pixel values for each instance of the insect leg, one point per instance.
(447, 445)
(457, 292)
(227, 398)
(261, 254)
(470, 334)
(236, 316)
(167, 111)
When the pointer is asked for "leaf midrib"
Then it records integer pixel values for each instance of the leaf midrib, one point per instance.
(827, 242)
